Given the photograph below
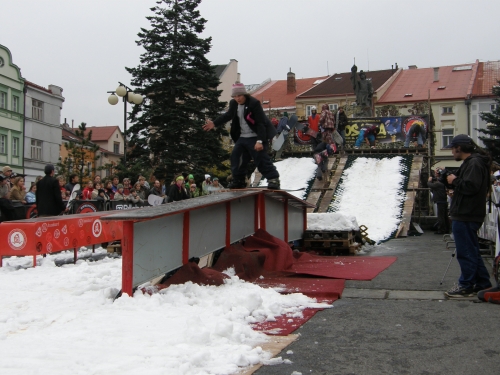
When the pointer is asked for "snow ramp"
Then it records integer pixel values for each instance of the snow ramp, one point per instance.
(379, 189)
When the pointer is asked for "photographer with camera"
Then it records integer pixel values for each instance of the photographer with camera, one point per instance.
(471, 184)
(440, 198)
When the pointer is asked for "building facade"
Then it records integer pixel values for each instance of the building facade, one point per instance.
(448, 89)
(337, 91)
(279, 96)
(483, 100)
(227, 74)
(43, 130)
(112, 144)
(12, 86)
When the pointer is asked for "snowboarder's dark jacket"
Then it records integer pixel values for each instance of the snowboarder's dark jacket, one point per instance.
(254, 116)
(470, 189)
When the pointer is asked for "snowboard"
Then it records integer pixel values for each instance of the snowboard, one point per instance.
(72, 198)
(155, 200)
(280, 139)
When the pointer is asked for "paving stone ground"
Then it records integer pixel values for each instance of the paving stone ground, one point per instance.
(400, 322)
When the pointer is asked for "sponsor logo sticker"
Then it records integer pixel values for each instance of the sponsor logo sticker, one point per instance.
(17, 239)
(97, 228)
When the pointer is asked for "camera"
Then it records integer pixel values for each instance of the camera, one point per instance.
(442, 176)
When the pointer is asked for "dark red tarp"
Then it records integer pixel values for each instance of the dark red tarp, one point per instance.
(270, 262)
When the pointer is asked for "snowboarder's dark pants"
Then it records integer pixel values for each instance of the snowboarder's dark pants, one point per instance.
(243, 152)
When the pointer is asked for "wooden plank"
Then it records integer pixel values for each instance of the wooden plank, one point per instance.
(413, 182)
(401, 225)
(313, 198)
(275, 345)
(327, 197)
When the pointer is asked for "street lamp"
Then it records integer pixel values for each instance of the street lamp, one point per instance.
(128, 96)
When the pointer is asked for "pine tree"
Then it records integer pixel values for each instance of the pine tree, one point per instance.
(492, 140)
(181, 90)
(81, 152)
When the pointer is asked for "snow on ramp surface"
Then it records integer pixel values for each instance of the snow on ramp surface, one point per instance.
(371, 191)
(295, 173)
(331, 221)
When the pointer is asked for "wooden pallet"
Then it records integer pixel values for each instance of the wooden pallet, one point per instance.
(327, 235)
(117, 248)
(330, 242)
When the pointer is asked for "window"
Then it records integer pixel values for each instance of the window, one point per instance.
(37, 110)
(36, 149)
(3, 100)
(447, 110)
(3, 144)
(116, 148)
(333, 107)
(447, 136)
(15, 146)
(493, 107)
(15, 103)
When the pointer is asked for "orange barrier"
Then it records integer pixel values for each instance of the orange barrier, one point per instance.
(48, 235)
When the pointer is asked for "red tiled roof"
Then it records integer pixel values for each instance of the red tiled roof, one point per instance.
(68, 135)
(37, 86)
(276, 92)
(488, 75)
(340, 84)
(452, 84)
(101, 133)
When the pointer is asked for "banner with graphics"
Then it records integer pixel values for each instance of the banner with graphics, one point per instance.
(392, 129)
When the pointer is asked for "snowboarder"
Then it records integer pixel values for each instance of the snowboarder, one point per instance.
(250, 131)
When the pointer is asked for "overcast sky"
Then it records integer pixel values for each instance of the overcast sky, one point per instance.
(83, 46)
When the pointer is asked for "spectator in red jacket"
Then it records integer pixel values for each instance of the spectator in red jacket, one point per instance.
(87, 192)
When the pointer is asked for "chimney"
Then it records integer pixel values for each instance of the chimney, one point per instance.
(238, 77)
(436, 74)
(412, 67)
(72, 123)
(291, 87)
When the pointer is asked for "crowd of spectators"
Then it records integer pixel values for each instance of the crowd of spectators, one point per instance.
(13, 189)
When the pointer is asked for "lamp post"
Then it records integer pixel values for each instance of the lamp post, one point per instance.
(128, 96)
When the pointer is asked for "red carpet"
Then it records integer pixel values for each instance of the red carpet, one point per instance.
(285, 325)
(342, 267)
(270, 262)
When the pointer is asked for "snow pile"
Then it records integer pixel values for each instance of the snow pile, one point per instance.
(295, 173)
(372, 191)
(331, 221)
(62, 320)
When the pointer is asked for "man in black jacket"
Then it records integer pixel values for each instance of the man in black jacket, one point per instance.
(440, 198)
(48, 194)
(470, 185)
(250, 130)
